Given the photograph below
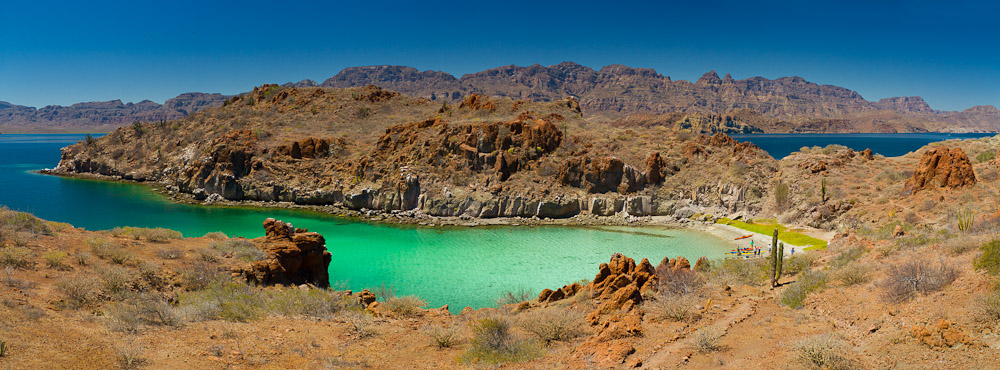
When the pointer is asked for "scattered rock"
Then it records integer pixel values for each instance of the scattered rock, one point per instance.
(945, 334)
(898, 231)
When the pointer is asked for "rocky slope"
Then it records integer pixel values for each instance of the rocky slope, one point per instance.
(787, 104)
(101, 116)
(374, 149)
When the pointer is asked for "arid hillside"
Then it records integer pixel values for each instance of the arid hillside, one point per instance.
(100, 116)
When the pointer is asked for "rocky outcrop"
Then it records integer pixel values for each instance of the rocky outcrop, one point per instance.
(294, 256)
(306, 148)
(942, 167)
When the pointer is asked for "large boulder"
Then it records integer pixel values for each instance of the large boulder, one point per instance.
(294, 257)
(942, 167)
(558, 208)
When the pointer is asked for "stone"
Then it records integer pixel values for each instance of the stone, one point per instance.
(942, 167)
(898, 231)
(294, 256)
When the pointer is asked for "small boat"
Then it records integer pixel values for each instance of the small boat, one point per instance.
(743, 237)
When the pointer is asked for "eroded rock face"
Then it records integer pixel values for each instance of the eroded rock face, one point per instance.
(942, 167)
(306, 148)
(294, 256)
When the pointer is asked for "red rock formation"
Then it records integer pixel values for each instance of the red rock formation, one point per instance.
(867, 154)
(654, 168)
(475, 102)
(307, 148)
(294, 256)
(942, 167)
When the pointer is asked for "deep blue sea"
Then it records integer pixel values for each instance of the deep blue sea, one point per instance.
(889, 145)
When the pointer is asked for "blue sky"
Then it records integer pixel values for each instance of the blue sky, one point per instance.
(67, 52)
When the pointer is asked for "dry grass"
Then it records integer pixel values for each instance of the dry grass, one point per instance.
(906, 279)
(706, 340)
(823, 352)
(552, 324)
(443, 337)
(405, 306)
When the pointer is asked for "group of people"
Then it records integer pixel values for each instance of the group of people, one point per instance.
(755, 250)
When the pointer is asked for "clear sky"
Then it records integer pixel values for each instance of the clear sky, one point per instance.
(67, 52)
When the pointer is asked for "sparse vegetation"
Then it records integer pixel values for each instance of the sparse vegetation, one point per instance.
(240, 248)
(854, 275)
(80, 291)
(552, 325)
(989, 260)
(513, 296)
(905, 280)
(741, 271)
(823, 352)
(795, 294)
(706, 340)
(16, 257)
(443, 337)
(216, 235)
(156, 235)
(672, 307)
(405, 305)
(54, 259)
(781, 196)
(360, 322)
(494, 343)
(680, 281)
(170, 253)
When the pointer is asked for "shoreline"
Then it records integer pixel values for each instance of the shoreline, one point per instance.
(419, 219)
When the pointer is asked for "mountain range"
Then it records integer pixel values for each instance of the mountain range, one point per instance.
(613, 93)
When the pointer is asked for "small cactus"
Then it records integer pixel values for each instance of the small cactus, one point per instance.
(3, 348)
(781, 261)
(775, 256)
(966, 218)
(822, 190)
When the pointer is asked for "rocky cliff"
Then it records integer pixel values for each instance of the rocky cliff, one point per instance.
(374, 150)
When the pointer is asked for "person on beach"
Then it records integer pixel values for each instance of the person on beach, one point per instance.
(793, 251)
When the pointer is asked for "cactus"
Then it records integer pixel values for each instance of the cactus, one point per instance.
(966, 218)
(3, 348)
(781, 261)
(822, 190)
(774, 258)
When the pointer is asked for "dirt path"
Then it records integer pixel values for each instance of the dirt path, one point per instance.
(676, 351)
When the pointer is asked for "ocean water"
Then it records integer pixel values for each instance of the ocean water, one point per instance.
(889, 145)
(457, 266)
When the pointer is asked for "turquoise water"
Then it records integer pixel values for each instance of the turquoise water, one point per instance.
(889, 145)
(455, 266)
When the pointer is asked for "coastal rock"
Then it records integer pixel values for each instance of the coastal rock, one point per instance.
(558, 208)
(942, 167)
(655, 166)
(867, 154)
(294, 256)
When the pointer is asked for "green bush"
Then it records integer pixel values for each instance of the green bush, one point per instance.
(990, 308)
(315, 303)
(16, 257)
(494, 343)
(107, 250)
(217, 235)
(985, 156)
(794, 295)
(990, 259)
(3, 348)
(54, 259)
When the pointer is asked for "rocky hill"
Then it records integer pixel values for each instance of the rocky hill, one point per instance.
(374, 149)
(789, 104)
(101, 116)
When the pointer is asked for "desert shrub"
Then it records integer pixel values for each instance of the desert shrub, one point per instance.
(155, 235)
(680, 281)
(706, 340)
(217, 235)
(847, 256)
(129, 356)
(985, 156)
(223, 300)
(117, 280)
(240, 248)
(853, 275)
(513, 296)
(443, 337)
(404, 305)
(798, 263)
(552, 325)
(82, 258)
(823, 352)
(384, 291)
(54, 259)
(741, 271)
(208, 255)
(170, 253)
(136, 310)
(13, 282)
(672, 307)
(200, 275)
(22, 222)
(361, 323)
(989, 308)
(16, 257)
(107, 250)
(80, 291)
(990, 259)
(314, 303)
(794, 295)
(911, 277)
(122, 317)
(493, 342)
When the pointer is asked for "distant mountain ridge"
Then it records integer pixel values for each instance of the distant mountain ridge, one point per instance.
(615, 93)
(101, 116)
(616, 90)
